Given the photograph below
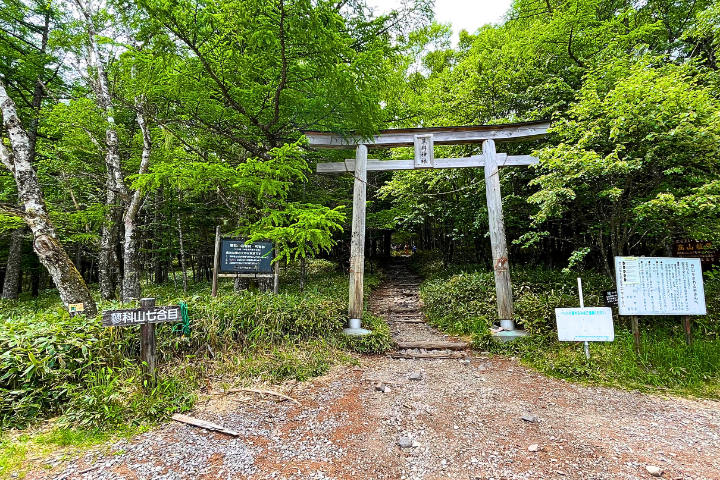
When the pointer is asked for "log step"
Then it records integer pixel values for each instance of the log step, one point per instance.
(434, 345)
(429, 355)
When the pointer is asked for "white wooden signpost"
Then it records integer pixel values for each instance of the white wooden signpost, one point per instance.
(592, 324)
(660, 286)
(423, 140)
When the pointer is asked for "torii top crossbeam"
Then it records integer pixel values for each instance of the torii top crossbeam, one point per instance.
(404, 137)
(424, 139)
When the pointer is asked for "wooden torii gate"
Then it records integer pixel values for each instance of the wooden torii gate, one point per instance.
(424, 139)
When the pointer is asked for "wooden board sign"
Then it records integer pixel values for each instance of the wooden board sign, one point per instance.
(659, 286)
(238, 257)
(141, 316)
(706, 251)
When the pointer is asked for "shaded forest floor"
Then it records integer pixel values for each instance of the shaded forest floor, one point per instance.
(477, 417)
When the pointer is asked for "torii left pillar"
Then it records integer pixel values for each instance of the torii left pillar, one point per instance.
(357, 245)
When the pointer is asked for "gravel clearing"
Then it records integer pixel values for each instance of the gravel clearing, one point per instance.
(462, 418)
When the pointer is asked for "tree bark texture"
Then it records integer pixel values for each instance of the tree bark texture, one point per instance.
(50, 251)
(115, 185)
(131, 280)
(11, 285)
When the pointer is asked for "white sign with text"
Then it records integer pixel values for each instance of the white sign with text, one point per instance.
(659, 286)
(592, 324)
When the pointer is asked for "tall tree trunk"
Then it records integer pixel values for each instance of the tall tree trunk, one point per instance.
(182, 255)
(50, 251)
(131, 281)
(115, 185)
(11, 286)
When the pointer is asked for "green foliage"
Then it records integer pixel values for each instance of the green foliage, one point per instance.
(638, 153)
(461, 300)
(54, 364)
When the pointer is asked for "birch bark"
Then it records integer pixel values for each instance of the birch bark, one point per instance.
(116, 192)
(50, 251)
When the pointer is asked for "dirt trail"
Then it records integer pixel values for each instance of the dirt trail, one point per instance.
(462, 419)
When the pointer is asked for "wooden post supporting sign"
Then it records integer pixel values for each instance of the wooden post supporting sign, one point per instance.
(686, 329)
(216, 262)
(147, 316)
(148, 346)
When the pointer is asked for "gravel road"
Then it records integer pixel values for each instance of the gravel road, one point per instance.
(474, 417)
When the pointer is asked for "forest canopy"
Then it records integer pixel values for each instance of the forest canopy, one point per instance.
(131, 129)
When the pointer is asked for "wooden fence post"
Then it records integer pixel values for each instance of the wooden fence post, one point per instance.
(216, 262)
(498, 243)
(148, 353)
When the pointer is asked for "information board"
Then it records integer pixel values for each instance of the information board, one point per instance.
(593, 324)
(610, 297)
(237, 257)
(659, 286)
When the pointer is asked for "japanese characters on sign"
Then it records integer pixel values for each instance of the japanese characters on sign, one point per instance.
(611, 298)
(706, 251)
(237, 257)
(659, 286)
(593, 324)
(424, 151)
(139, 316)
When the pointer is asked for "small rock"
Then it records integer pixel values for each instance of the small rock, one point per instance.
(534, 447)
(654, 471)
(529, 418)
(482, 368)
(443, 462)
(405, 442)
(381, 387)
(416, 376)
(416, 444)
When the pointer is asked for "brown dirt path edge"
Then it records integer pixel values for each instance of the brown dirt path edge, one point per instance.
(464, 418)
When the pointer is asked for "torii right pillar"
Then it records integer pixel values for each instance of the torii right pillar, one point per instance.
(498, 243)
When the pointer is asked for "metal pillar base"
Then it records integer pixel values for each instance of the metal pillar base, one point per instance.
(354, 328)
(509, 335)
(507, 324)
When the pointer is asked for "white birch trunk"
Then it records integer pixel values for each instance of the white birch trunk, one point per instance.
(115, 185)
(50, 251)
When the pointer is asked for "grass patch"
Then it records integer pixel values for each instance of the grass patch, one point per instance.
(22, 451)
